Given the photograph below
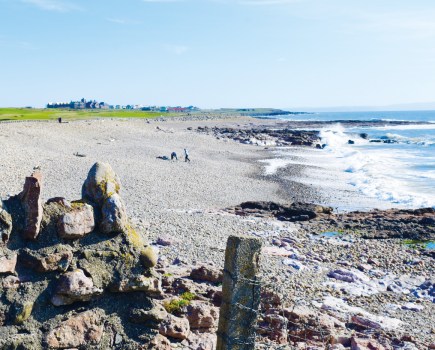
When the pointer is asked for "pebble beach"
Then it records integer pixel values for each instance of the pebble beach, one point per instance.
(186, 204)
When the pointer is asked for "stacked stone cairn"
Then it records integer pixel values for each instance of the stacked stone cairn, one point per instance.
(77, 275)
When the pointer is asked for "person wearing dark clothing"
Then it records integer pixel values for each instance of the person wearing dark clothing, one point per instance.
(186, 155)
(174, 156)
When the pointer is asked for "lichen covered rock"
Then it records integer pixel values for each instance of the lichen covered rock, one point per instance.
(5, 225)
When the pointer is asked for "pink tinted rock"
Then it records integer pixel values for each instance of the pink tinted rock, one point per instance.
(202, 341)
(202, 315)
(366, 344)
(74, 286)
(8, 263)
(207, 274)
(31, 201)
(175, 327)
(159, 342)
(77, 223)
(165, 240)
(80, 330)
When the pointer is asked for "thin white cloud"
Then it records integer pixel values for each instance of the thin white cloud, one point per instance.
(176, 49)
(53, 5)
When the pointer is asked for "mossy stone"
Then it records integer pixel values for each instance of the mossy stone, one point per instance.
(148, 257)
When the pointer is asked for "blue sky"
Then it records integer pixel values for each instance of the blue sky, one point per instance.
(218, 53)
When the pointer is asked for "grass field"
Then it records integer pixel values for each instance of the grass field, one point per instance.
(71, 114)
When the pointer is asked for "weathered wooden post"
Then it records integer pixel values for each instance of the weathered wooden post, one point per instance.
(240, 294)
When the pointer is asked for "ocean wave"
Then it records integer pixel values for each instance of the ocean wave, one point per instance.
(383, 173)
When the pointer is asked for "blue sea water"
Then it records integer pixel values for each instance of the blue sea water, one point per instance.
(400, 170)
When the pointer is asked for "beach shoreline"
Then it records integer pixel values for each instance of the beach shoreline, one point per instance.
(195, 206)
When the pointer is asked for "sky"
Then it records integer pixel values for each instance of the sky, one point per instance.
(218, 53)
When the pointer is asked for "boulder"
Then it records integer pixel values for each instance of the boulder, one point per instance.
(8, 263)
(202, 315)
(57, 258)
(31, 202)
(83, 329)
(74, 286)
(5, 225)
(175, 327)
(101, 183)
(207, 274)
(114, 215)
(77, 223)
(101, 189)
(148, 256)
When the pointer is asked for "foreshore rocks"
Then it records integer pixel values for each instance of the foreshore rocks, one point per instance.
(266, 136)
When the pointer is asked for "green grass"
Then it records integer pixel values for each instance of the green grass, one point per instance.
(72, 114)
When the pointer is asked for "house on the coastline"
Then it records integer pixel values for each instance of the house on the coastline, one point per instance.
(82, 104)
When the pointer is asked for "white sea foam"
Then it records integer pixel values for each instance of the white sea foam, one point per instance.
(272, 165)
(382, 173)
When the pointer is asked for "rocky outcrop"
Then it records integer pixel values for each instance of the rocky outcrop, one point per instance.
(293, 212)
(265, 136)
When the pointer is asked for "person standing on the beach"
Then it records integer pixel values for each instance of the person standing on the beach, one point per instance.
(186, 155)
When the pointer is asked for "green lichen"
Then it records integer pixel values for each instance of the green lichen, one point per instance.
(189, 296)
(134, 238)
(24, 312)
(174, 306)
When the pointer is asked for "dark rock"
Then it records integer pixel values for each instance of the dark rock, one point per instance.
(56, 258)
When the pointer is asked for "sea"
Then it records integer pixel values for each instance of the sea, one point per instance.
(399, 168)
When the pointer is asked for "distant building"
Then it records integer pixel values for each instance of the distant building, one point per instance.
(82, 104)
